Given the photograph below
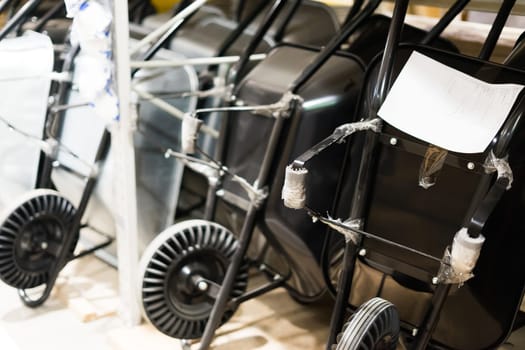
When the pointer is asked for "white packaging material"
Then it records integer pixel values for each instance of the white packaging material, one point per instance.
(190, 128)
(92, 73)
(465, 252)
(106, 106)
(90, 28)
(294, 191)
(72, 7)
(26, 64)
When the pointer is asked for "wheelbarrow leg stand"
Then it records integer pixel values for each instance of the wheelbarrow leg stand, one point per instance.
(344, 287)
(432, 317)
(221, 302)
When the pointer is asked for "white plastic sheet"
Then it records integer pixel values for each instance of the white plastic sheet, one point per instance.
(26, 64)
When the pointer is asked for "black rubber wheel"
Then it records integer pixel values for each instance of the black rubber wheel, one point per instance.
(374, 326)
(170, 299)
(31, 232)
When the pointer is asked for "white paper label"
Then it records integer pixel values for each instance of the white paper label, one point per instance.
(445, 107)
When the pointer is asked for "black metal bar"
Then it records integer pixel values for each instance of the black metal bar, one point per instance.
(495, 31)
(159, 44)
(51, 13)
(452, 12)
(336, 223)
(221, 302)
(381, 88)
(90, 184)
(344, 287)
(504, 137)
(211, 201)
(18, 17)
(63, 254)
(354, 10)
(236, 73)
(93, 249)
(265, 288)
(424, 333)
(387, 61)
(279, 32)
(239, 29)
(181, 6)
(360, 197)
(245, 237)
(488, 195)
(44, 179)
(333, 46)
(52, 123)
(239, 9)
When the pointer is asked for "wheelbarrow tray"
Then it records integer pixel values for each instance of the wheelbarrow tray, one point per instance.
(480, 314)
(329, 97)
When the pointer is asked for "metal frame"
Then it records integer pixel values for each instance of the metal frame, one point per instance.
(287, 107)
(352, 228)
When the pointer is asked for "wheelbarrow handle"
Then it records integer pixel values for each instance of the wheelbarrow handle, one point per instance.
(338, 136)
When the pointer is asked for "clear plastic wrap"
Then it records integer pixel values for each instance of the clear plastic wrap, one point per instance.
(501, 166)
(460, 260)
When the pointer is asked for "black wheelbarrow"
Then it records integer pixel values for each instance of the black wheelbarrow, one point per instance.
(428, 225)
(194, 274)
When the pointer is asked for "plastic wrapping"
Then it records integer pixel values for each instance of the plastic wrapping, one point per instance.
(90, 30)
(27, 63)
(190, 128)
(350, 128)
(501, 166)
(349, 235)
(92, 74)
(459, 261)
(294, 190)
(431, 166)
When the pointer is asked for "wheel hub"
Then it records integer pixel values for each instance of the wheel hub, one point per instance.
(30, 236)
(180, 271)
(32, 246)
(182, 288)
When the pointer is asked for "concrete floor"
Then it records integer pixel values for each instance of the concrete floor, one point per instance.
(273, 321)
(87, 291)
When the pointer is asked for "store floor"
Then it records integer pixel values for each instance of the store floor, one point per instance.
(87, 290)
(81, 315)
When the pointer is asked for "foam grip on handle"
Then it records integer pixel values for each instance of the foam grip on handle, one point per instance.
(294, 191)
(465, 251)
(189, 130)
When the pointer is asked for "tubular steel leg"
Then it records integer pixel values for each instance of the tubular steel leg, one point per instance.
(383, 83)
(344, 287)
(245, 238)
(431, 320)
(279, 33)
(44, 179)
(497, 27)
(436, 31)
(240, 28)
(221, 302)
(211, 201)
(237, 70)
